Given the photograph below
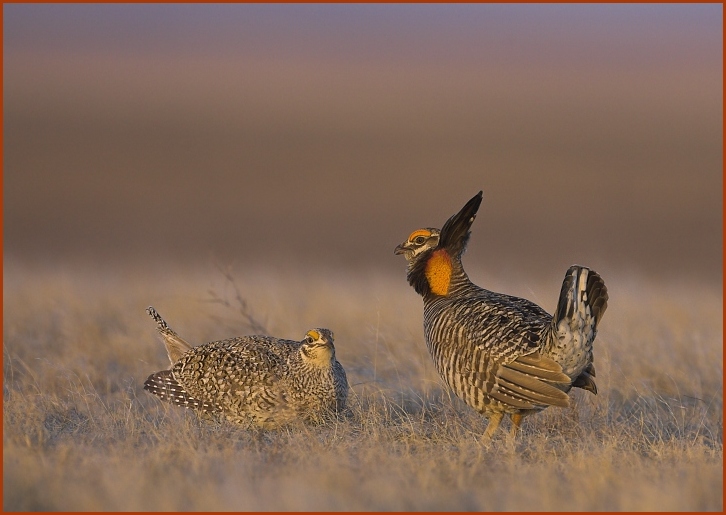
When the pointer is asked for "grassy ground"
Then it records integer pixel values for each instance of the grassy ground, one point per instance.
(81, 434)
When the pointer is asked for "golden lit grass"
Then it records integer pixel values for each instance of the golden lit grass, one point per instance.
(81, 434)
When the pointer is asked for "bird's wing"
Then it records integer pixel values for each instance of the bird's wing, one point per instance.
(528, 382)
(225, 368)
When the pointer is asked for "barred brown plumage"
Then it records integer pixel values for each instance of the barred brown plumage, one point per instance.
(253, 380)
(499, 353)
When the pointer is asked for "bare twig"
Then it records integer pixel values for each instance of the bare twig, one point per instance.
(250, 319)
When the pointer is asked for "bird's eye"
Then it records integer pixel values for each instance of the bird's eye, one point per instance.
(309, 339)
(418, 240)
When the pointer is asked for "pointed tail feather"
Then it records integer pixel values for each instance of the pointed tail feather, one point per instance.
(175, 345)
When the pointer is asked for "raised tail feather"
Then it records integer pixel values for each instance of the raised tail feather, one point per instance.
(175, 345)
(582, 290)
(163, 385)
(582, 304)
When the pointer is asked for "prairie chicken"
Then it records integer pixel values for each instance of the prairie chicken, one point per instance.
(501, 354)
(253, 380)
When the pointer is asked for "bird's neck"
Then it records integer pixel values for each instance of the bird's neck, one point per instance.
(438, 275)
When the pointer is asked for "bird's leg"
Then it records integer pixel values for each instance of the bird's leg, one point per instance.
(516, 422)
(494, 421)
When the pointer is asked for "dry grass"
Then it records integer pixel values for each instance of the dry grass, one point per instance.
(81, 434)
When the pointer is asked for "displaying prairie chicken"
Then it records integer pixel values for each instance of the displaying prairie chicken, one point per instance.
(501, 354)
(253, 380)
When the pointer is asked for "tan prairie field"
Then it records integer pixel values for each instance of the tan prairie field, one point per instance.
(80, 433)
(249, 168)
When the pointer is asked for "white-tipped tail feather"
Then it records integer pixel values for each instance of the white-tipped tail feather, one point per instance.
(163, 385)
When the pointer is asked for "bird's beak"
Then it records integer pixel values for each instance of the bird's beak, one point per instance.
(400, 249)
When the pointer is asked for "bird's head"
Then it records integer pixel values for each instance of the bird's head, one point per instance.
(418, 242)
(430, 252)
(317, 347)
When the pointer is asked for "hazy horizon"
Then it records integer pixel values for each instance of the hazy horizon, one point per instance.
(323, 135)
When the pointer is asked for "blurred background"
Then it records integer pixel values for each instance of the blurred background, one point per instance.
(322, 135)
